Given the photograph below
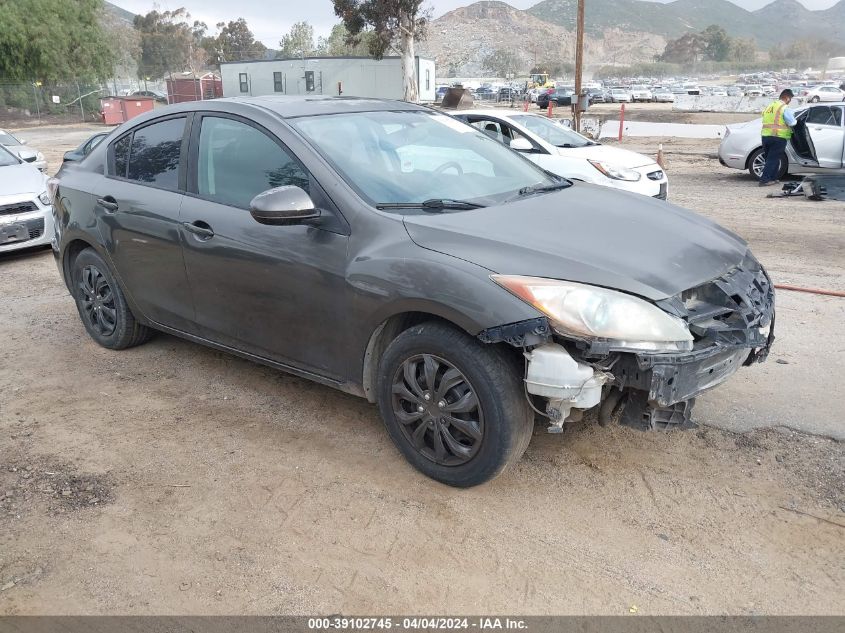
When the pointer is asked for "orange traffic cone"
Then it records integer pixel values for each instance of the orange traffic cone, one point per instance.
(660, 160)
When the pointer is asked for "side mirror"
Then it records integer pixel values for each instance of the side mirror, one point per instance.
(283, 205)
(522, 145)
(69, 156)
(22, 141)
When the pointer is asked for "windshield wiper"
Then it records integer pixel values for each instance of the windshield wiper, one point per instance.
(433, 205)
(527, 191)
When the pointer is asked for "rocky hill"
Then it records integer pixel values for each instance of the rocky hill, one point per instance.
(779, 21)
(459, 40)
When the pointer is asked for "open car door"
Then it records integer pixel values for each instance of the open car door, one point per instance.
(819, 137)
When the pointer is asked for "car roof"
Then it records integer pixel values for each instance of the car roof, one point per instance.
(296, 106)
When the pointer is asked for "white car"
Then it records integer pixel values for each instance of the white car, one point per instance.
(817, 145)
(823, 93)
(26, 211)
(641, 93)
(664, 95)
(620, 95)
(566, 153)
(18, 148)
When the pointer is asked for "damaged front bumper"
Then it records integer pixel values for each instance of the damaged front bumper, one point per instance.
(731, 318)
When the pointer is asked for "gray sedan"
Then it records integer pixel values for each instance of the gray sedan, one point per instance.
(817, 144)
(400, 255)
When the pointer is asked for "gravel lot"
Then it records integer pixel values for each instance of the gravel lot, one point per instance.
(174, 479)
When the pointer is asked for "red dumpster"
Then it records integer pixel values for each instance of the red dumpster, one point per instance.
(117, 110)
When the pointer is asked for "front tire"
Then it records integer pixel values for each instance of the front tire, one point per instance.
(102, 305)
(815, 99)
(454, 407)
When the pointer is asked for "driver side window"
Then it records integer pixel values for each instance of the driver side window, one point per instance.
(236, 162)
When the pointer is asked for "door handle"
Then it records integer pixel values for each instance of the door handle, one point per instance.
(199, 228)
(108, 203)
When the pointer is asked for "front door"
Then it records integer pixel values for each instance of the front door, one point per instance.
(274, 291)
(138, 216)
(825, 125)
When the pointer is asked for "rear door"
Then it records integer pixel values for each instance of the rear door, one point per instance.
(138, 203)
(825, 126)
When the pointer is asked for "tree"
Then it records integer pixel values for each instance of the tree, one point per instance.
(501, 62)
(48, 40)
(337, 43)
(687, 49)
(124, 42)
(233, 42)
(169, 41)
(743, 50)
(298, 43)
(717, 43)
(395, 25)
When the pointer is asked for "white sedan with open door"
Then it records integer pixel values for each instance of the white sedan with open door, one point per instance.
(817, 144)
(566, 153)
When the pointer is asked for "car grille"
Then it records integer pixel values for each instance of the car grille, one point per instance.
(734, 309)
(655, 175)
(17, 207)
(35, 227)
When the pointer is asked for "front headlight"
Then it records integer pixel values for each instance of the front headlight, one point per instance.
(615, 172)
(590, 312)
(45, 198)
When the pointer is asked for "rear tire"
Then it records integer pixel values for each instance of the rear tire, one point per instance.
(102, 305)
(815, 99)
(454, 407)
(756, 162)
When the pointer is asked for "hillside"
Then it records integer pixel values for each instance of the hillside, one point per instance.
(781, 20)
(123, 14)
(460, 39)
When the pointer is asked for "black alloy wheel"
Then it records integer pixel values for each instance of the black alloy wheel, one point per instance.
(453, 406)
(102, 305)
(97, 301)
(438, 410)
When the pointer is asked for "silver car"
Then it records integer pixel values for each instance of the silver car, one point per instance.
(26, 154)
(817, 145)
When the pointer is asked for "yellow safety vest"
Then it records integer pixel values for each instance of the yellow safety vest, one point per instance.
(773, 121)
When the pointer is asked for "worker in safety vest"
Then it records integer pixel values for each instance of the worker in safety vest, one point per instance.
(778, 120)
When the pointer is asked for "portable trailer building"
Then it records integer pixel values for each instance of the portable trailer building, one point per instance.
(350, 76)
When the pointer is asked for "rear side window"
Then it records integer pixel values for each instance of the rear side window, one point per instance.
(237, 162)
(121, 155)
(154, 153)
(825, 116)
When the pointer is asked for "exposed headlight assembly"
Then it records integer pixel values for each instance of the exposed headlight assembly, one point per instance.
(593, 313)
(615, 172)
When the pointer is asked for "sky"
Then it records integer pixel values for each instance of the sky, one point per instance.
(270, 19)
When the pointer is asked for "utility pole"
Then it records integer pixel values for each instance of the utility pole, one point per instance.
(579, 62)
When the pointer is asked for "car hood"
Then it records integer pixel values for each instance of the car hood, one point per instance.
(19, 179)
(606, 153)
(588, 234)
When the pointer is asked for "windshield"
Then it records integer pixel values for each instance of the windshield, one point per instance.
(8, 139)
(415, 156)
(552, 133)
(7, 158)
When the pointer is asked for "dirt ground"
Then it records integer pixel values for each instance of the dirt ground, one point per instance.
(174, 479)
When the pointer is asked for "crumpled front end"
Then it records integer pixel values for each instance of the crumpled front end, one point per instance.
(731, 319)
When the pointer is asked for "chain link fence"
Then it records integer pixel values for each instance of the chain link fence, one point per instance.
(66, 101)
